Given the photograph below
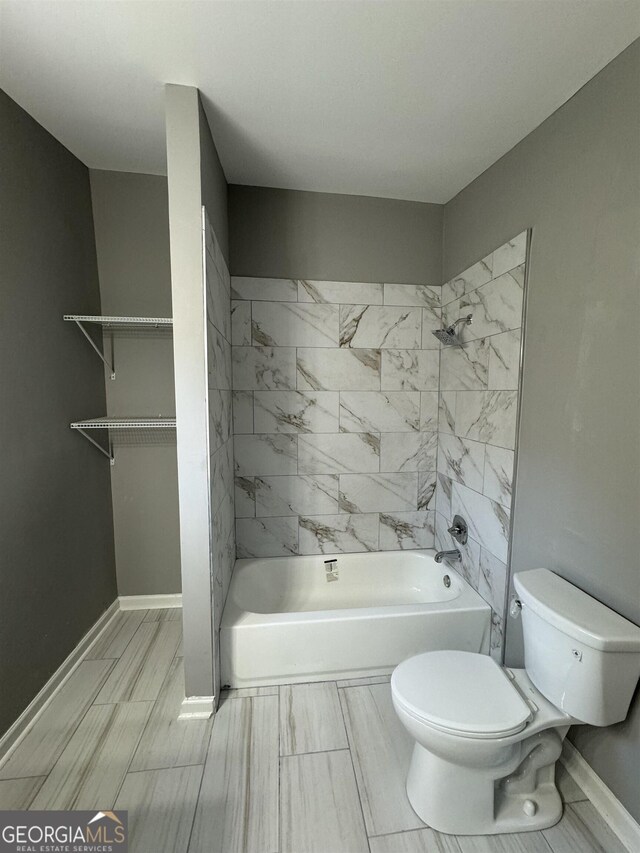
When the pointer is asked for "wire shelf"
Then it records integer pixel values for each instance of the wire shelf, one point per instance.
(125, 423)
(118, 321)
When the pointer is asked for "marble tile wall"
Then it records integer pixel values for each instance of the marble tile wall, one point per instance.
(335, 411)
(477, 419)
(219, 324)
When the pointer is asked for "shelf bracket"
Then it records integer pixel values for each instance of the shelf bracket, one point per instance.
(108, 364)
(107, 453)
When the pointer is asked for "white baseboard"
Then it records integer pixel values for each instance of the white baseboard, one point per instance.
(197, 708)
(15, 732)
(602, 798)
(150, 602)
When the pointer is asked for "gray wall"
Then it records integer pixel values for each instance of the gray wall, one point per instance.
(131, 219)
(213, 184)
(575, 181)
(57, 570)
(289, 234)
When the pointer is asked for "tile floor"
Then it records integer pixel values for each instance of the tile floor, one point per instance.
(295, 769)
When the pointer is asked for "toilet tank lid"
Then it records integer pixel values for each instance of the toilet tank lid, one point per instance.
(577, 614)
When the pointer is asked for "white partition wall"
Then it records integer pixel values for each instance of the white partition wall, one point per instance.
(185, 170)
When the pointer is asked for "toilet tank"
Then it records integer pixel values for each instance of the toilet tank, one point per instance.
(582, 656)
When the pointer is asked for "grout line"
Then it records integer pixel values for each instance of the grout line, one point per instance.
(353, 767)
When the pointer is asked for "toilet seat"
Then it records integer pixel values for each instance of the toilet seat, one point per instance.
(461, 693)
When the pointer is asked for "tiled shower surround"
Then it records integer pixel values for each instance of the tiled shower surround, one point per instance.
(477, 419)
(218, 334)
(335, 408)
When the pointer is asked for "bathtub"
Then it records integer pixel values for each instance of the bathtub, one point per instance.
(287, 620)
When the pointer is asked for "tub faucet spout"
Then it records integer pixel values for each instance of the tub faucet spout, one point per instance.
(453, 555)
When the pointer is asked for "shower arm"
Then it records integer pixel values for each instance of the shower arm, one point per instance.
(466, 320)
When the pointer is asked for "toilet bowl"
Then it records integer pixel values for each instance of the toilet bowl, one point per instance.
(487, 737)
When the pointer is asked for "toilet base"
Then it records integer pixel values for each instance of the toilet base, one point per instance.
(476, 801)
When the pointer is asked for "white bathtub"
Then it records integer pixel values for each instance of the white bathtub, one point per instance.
(284, 622)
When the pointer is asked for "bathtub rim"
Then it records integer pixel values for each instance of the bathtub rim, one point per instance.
(236, 618)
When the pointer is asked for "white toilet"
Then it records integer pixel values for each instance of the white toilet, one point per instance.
(487, 737)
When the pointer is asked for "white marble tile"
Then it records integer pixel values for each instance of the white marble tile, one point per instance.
(338, 369)
(268, 289)
(488, 521)
(410, 370)
(496, 307)
(504, 360)
(416, 841)
(498, 474)
(381, 773)
(509, 255)
(418, 295)
(346, 292)
(218, 301)
(166, 740)
(264, 368)
(238, 803)
(245, 497)
(161, 805)
(115, 639)
(311, 718)
(92, 766)
(319, 806)
(218, 360)
(296, 495)
(431, 320)
(381, 327)
(492, 580)
(469, 564)
(405, 452)
(407, 530)
(461, 460)
(473, 277)
(452, 289)
(443, 495)
(583, 830)
(42, 744)
(220, 418)
(426, 489)
(488, 416)
(496, 642)
(295, 411)
(17, 794)
(429, 410)
(342, 453)
(332, 534)
(293, 324)
(266, 537)
(447, 412)
(240, 323)
(379, 411)
(221, 466)
(465, 368)
(139, 673)
(260, 454)
(378, 492)
(242, 405)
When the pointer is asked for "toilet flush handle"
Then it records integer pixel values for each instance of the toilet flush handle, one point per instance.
(515, 608)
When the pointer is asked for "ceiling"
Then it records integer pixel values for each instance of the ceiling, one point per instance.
(407, 100)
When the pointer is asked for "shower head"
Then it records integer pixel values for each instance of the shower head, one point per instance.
(448, 336)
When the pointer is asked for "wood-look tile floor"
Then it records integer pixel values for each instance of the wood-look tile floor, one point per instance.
(309, 768)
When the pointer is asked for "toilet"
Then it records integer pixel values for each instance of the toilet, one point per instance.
(488, 737)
